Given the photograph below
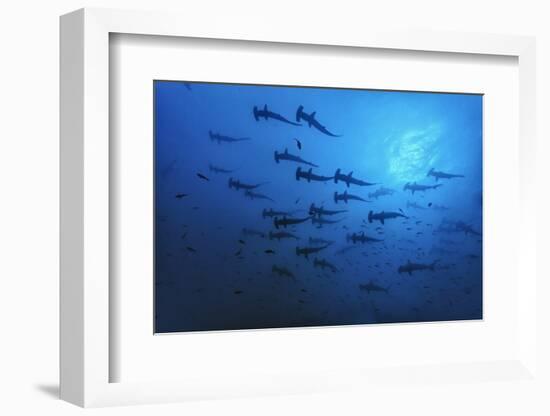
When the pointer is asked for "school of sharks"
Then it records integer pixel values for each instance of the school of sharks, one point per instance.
(271, 214)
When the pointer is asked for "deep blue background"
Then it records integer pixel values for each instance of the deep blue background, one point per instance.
(387, 137)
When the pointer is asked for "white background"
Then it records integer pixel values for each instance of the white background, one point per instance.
(29, 209)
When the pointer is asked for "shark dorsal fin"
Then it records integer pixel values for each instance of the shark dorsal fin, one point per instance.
(265, 108)
(313, 114)
(286, 150)
(350, 174)
(310, 170)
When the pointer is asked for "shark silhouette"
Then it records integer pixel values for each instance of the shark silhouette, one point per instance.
(266, 114)
(312, 122)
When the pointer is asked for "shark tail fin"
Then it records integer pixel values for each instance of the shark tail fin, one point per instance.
(276, 154)
(255, 112)
(335, 197)
(299, 113)
(430, 172)
(336, 175)
(276, 223)
(370, 217)
(297, 250)
(298, 172)
(406, 186)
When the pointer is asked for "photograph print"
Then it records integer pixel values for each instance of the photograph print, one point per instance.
(294, 206)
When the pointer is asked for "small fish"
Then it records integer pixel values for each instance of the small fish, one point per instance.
(238, 253)
(269, 251)
(242, 242)
(200, 175)
(191, 249)
(298, 200)
(180, 196)
(238, 292)
(299, 144)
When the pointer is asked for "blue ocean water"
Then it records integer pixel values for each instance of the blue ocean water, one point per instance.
(218, 262)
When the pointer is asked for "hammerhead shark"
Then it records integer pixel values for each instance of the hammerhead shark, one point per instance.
(217, 169)
(373, 287)
(320, 211)
(256, 195)
(235, 183)
(461, 226)
(285, 222)
(361, 238)
(442, 175)
(414, 187)
(381, 192)
(272, 213)
(310, 176)
(348, 179)
(225, 139)
(414, 267)
(306, 251)
(282, 271)
(322, 263)
(292, 158)
(266, 114)
(282, 234)
(382, 216)
(347, 197)
(311, 121)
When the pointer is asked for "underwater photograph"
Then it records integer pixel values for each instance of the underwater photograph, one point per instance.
(298, 206)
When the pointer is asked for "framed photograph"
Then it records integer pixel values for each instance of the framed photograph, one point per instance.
(267, 214)
(263, 228)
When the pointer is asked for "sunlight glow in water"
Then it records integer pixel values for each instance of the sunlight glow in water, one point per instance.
(410, 156)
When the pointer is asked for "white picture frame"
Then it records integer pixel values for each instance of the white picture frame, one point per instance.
(85, 220)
